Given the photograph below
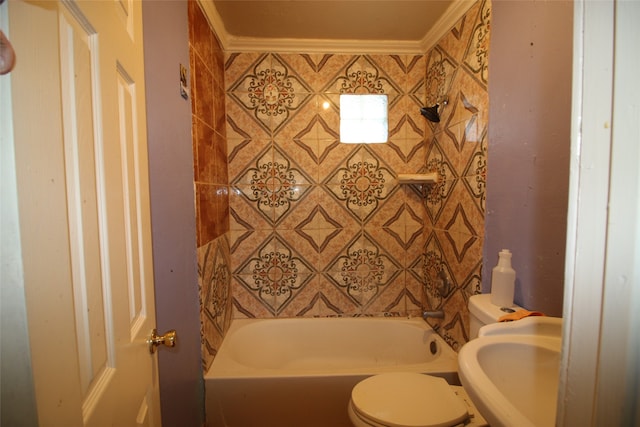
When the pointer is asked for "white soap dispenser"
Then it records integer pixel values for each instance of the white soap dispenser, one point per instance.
(503, 280)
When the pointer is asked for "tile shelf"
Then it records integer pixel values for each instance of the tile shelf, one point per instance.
(418, 178)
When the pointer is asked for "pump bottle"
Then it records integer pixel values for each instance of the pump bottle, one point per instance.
(503, 280)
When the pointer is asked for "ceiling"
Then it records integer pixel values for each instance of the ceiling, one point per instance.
(365, 25)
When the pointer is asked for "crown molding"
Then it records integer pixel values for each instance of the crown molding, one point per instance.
(230, 43)
(253, 44)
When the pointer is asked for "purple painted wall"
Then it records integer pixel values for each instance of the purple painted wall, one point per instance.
(166, 41)
(529, 137)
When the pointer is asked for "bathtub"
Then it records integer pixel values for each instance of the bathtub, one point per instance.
(299, 372)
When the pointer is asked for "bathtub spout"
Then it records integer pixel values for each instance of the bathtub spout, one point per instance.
(438, 314)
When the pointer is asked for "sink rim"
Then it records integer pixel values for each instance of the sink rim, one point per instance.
(490, 401)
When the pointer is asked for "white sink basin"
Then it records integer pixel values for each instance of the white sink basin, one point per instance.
(511, 371)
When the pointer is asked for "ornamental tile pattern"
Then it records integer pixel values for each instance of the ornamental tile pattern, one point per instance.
(273, 184)
(477, 56)
(319, 228)
(274, 274)
(361, 184)
(271, 92)
(363, 270)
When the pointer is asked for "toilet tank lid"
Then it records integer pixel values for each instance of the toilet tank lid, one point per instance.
(480, 306)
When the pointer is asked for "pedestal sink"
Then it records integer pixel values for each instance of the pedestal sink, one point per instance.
(511, 371)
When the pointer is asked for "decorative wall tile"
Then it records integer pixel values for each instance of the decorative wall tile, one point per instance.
(238, 65)
(361, 184)
(454, 327)
(441, 69)
(461, 205)
(475, 174)
(406, 132)
(273, 184)
(318, 299)
(477, 57)
(216, 280)
(246, 304)
(468, 90)
(363, 76)
(214, 277)
(274, 274)
(241, 124)
(434, 272)
(271, 91)
(456, 41)
(436, 196)
(363, 270)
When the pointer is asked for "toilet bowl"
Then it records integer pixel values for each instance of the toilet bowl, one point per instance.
(407, 399)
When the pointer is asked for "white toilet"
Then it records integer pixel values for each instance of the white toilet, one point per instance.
(407, 399)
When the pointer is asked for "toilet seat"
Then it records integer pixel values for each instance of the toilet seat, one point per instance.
(406, 399)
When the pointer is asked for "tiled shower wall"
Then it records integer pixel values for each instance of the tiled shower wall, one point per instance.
(457, 67)
(320, 228)
(211, 181)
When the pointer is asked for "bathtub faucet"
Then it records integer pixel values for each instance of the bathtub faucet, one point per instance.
(438, 314)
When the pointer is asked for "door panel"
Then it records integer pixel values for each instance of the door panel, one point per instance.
(92, 366)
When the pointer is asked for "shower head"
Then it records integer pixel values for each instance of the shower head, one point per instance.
(431, 113)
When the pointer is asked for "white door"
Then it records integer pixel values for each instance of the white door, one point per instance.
(77, 94)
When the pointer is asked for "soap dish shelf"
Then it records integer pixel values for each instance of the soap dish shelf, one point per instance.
(418, 178)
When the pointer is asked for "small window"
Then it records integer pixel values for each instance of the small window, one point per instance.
(363, 119)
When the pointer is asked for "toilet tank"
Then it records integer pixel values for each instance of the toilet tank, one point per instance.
(482, 312)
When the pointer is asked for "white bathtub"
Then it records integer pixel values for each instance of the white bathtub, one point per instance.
(300, 372)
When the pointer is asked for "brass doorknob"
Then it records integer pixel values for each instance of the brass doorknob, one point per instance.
(168, 339)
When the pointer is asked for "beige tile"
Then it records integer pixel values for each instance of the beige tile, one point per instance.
(441, 70)
(246, 304)
(454, 327)
(242, 123)
(301, 245)
(332, 300)
(460, 269)
(455, 42)
(245, 249)
(415, 297)
(477, 56)
(467, 92)
(390, 298)
(461, 212)
(416, 71)
(334, 159)
(391, 67)
(330, 67)
(238, 65)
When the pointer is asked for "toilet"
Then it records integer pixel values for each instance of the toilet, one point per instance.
(482, 312)
(411, 399)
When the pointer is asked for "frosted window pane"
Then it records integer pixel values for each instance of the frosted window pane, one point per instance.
(363, 118)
